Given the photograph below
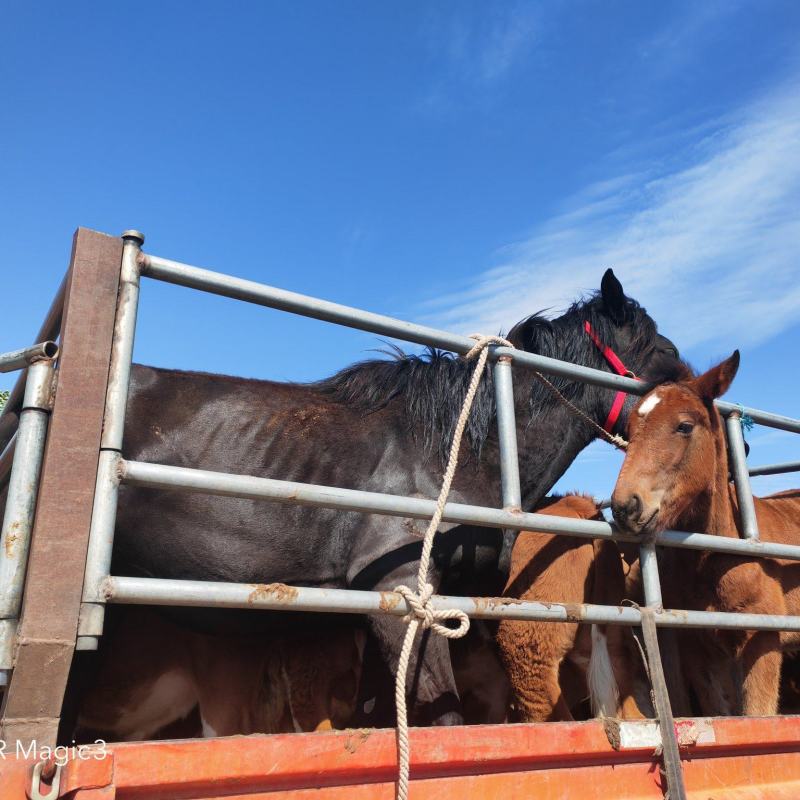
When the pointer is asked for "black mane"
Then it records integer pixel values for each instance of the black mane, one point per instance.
(432, 385)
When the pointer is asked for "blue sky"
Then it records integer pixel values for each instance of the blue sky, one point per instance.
(461, 164)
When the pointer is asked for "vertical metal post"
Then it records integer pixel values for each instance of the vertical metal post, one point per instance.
(650, 580)
(23, 487)
(741, 477)
(45, 643)
(648, 559)
(104, 513)
(507, 434)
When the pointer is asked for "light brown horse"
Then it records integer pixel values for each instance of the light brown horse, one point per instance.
(538, 656)
(675, 475)
(153, 673)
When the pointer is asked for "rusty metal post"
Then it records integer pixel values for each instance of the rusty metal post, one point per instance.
(104, 515)
(15, 535)
(48, 625)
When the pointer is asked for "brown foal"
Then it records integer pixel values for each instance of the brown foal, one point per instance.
(550, 567)
(675, 475)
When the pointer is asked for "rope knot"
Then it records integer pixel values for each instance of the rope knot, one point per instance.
(483, 342)
(429, 617)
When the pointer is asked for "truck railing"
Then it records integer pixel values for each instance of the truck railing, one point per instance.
(20, 468)
(100, 587)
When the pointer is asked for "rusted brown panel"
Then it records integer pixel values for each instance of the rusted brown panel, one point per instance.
(58, 550)
(40, 695)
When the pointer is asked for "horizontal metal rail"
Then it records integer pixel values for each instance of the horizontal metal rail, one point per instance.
(775, 469)
(281, 597)
(20, 359)
(50, 330)
(160, 476)
(228, 286)
(174, 272)
(767, 418)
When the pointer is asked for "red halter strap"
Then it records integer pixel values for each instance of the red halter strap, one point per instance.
(616, 364)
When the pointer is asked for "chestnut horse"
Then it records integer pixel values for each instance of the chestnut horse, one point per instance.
(549, 567)
(152, 673)
(675, 475)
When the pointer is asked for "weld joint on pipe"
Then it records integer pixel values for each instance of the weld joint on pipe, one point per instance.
(143, 262)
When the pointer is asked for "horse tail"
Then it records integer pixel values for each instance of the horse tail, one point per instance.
(603, 689)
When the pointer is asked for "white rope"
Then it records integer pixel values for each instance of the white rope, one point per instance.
(419, 602)
(421, 613)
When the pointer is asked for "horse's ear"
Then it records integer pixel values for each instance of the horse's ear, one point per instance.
(613, 296)
(714, 383)
(521, 335)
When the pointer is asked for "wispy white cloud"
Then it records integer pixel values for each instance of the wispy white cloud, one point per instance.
(476, 52)
(509, 37)
(676, 42)
(710, 240)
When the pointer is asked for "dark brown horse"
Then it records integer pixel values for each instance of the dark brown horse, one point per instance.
(381, 426)
(675, 475)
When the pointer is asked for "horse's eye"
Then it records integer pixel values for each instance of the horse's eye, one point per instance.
(685, 428)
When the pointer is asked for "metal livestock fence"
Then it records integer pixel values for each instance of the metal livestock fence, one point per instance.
(100, 587)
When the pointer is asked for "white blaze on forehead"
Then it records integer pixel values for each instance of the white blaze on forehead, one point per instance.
(649, 404)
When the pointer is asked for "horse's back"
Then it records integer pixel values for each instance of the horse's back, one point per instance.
(778, 516)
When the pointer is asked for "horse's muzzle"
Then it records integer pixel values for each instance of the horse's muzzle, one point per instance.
(632, 515)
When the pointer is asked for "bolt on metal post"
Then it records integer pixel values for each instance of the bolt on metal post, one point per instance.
(104, 513)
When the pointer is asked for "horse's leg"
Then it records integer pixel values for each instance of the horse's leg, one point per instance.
(482, 682)
(532, 653)
(709, 668)
(539, 697)
(761, 659)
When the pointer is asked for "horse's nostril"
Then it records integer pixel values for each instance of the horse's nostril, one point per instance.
(634, 509)
(618, 510)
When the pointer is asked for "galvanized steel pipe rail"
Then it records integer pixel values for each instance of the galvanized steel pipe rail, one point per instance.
(206, 280)
(775, 469)
(161, 476)
(21, 464)
(50, 330)
(100, 587)
(19, 359)
(280, 597)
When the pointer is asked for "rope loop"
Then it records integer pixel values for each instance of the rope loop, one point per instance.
(432, 618)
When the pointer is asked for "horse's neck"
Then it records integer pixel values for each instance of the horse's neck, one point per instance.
(714, 511)
(548, 444)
